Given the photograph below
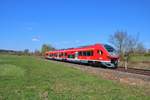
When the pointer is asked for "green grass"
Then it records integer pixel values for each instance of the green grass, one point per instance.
(31, 78)
(140, 58)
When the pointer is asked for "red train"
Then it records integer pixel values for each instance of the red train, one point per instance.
(98, 54)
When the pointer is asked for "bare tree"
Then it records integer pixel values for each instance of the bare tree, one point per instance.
(126, 45)
(119, 41)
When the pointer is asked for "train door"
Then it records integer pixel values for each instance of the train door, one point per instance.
(57, 55)
(76, 55)
(100, 54)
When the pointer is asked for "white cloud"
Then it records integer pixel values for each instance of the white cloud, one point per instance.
(35, 39)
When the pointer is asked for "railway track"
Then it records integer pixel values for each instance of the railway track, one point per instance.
(135, 71)
(121, 69)
(129, 70)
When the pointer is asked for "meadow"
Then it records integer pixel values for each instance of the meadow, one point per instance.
(34, 78)
(138, 61)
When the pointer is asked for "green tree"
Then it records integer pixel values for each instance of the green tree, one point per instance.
(46, 47)
(26, 51)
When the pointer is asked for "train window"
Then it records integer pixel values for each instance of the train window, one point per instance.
(91, 53)
(109, 48)
(71, 56)
(68, 56)
(80, 53)
(61, 54)
(88, 53)
(65, 54)
(84, 53)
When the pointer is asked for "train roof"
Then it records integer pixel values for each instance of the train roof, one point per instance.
(77, 48)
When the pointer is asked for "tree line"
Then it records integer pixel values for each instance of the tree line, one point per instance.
(127, 44)
(40, 52)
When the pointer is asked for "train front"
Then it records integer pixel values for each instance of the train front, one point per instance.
(113, 56)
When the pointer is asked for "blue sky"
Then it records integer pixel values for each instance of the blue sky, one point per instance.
(70, 23)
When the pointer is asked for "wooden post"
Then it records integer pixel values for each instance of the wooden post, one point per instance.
(125, 65)
(126, 61)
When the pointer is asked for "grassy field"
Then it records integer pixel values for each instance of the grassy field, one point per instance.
(31, 78)
(138, 61)
(140, 58)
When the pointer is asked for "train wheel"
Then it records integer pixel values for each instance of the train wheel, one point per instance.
(90, 63)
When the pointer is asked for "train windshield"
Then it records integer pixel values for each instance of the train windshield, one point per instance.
(110, 49)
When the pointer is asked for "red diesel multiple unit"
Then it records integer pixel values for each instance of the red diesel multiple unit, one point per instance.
(101, 54)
